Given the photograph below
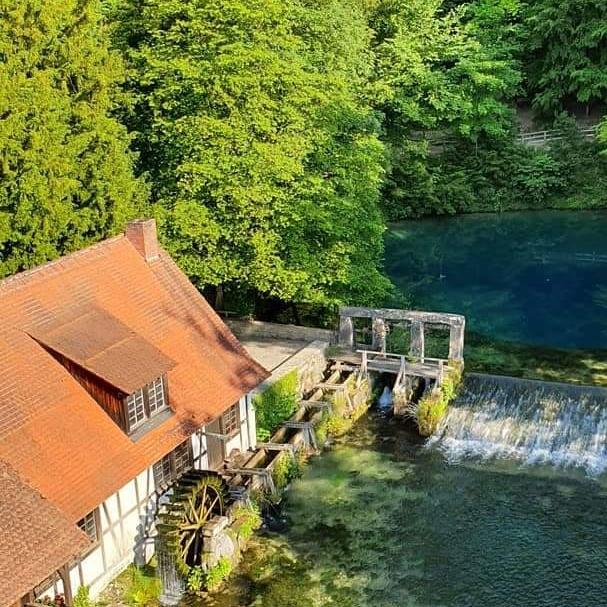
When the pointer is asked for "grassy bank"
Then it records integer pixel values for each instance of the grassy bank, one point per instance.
(485, 355)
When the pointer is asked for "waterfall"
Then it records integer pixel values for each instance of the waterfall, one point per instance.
(171, 581)
(537, 422)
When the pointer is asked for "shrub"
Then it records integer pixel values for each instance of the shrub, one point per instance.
(248, 520)
(82, 598)
(286, 468)
(200, 580)
(430, 411)
(432, 408)
(218, 573)
(339, 419)
(195, 582)
(275, 405)
(143, 590)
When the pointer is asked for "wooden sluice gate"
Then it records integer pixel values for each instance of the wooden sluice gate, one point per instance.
(358, 359)
(412, 368)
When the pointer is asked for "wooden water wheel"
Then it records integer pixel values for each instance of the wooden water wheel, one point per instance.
(196, 499)
(201, 506)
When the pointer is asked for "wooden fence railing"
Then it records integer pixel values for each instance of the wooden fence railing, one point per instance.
(438, 142)
(540, 138)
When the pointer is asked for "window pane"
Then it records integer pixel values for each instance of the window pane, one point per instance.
(173, 465)
(231, 419)
(135, 408)
(89, 525)
(162, 472)
(183, 458)
(156, 395)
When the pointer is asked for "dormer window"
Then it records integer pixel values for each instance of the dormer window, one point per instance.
(156, 395)
(145, 403)
(135, 406)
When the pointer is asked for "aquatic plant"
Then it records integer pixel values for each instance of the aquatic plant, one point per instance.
(215, 575)
(347, 407)
(432, 407)
(286, 468)
(247, 519)
(275, 405)
(196, 580)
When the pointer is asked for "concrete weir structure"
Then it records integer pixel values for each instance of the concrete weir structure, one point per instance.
(409, 368)
(417, 322)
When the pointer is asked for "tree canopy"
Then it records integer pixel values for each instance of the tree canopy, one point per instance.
(273, 139)
(66, 175)
(264, 163)
(566, 46)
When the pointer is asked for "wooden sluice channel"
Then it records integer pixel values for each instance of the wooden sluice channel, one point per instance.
(295, 434)
(298, 433)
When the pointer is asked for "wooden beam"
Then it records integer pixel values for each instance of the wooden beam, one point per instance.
(276, 446)
(324, 386)
(315, 404)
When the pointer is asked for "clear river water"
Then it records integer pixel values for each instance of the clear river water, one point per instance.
(506, 506)
(534, 277)
(382, 520)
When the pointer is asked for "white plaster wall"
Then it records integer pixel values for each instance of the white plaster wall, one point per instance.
(242, 441)
(127, 517)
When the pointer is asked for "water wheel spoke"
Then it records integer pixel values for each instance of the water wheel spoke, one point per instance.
(197, 507)
(186, 548)
(209, 510)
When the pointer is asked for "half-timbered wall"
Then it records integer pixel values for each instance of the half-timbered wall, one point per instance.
(126, 518)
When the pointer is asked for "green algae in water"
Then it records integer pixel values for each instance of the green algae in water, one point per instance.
(380, 521)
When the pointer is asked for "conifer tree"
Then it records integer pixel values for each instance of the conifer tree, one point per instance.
(65, 168)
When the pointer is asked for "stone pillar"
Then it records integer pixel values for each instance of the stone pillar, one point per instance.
(401, 403)
(456, 342)
(346, 332)
(379, 332)
(418, 346)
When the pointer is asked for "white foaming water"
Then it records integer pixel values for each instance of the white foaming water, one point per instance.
(385, 400)
(533, 421)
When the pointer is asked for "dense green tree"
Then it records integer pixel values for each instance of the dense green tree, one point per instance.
(436, 80)
(65, 169)
(566, 46)
(264, 161)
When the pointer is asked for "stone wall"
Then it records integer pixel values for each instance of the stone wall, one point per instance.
(310, 363)
(270, 330)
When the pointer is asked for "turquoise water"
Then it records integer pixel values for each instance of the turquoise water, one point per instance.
(533, 277)
(381, 521)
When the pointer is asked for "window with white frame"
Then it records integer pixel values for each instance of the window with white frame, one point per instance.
(173, 465)
(145, 403)
(156, 400)
(135, 405)
(230, 420)
(90, 525)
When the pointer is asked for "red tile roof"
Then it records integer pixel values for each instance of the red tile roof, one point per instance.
(103, 345)
(52, 432)
(37, 538)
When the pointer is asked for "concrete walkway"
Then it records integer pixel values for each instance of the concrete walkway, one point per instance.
(271, 352)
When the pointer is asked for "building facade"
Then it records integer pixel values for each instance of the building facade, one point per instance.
(119, 378)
